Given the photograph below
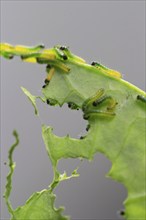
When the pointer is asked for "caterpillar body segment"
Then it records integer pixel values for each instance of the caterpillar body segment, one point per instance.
(106, 70)
(101, 100)
(50, 74)
(31, 58)
(141, 98)
(88, 127)
(60, 53)
(53, 56)
(51, 102)
(7, 56)
(48, 54)
(92, 99)
(66, 52)
(111, 102)
(93, 106)
(73, 106)
(8, 49)
(51, 71)
(25, 50)
(54, 63)
(56, 56)
(96, 112)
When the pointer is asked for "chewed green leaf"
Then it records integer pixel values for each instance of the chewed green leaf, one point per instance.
(32, 98)
(116, 128)
(9, 177)
(64, 176)
(61, 177)
(40, 206)
(116, 114)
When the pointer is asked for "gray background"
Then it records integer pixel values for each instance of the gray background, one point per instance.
(111, 32)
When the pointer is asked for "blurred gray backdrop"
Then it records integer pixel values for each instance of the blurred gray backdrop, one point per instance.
(111, 32)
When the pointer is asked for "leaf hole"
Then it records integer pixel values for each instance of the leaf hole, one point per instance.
(63, 120)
